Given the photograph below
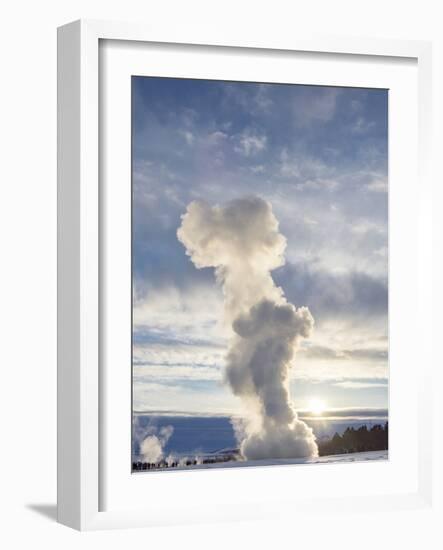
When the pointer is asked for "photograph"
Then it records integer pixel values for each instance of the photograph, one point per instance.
(259, 274)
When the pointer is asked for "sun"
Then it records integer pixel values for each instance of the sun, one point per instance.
(317, 406)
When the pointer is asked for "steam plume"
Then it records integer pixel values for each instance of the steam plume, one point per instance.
(241, 240)
(151, 448)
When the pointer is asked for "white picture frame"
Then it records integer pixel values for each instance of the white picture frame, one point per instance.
(81, 412)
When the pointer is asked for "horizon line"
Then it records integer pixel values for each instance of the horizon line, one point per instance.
(348, 413)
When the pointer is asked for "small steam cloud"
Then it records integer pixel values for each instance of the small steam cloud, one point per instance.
(152, 446)
(241, 240)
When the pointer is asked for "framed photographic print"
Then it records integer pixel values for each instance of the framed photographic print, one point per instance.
(236, 292)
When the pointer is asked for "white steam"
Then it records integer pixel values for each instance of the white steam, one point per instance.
(151, 448)
(241, 240)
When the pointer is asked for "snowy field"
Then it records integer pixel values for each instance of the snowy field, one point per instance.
(335, 459)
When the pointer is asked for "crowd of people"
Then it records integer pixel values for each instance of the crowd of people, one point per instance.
(141, 465)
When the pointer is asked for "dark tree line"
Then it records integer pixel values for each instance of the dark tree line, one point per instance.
(356, 440)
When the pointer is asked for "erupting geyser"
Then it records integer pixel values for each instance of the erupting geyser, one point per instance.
(241, 240)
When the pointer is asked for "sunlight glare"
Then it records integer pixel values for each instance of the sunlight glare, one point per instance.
(317, 406)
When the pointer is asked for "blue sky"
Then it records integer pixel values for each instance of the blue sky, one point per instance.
(319, 156)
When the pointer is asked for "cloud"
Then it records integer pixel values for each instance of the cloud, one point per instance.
(250, 143)
(351, 385)
(253, 98)
(188, 136)
(216, 138)
(305, 169)
(288, 167)
(257, 169)
(378, 185)
(339, 295)
(161, 395)
(316, 105)
(362, 126)
(177, 336)
(178, 316)
(325, 353)
(364, 227)
(146, 337)
(350, 412)
(179, 372)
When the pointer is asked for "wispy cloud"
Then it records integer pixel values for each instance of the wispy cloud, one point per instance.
(350, 385)
(188, 136)
(378, 185)
(316, 105)
(249, 143)
(348, 413)
(322, 352)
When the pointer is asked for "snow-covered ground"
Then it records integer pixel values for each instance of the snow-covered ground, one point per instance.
(341, 459)
(351, 457)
